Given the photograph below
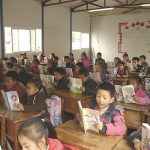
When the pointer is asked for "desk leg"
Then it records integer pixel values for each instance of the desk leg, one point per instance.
(16, 142)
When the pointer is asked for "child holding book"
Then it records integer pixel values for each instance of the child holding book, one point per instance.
(111, 115)
(34, 67)
(141, 97)
(88, 85)
(68, 63)
(36, 97)
(78, 67)
(11, 83)
(61, 81)
(122, 70)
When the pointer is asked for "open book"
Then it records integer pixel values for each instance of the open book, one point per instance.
(47, 80)
(69, 72)
(11, 100)
(95, 76)
(76, 85)
(42, 69)
(89, 118)
(125, 93)
(146, 135)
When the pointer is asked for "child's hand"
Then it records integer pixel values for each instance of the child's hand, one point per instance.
(136, 99)
(82, 89)
(138, 145)
(99, 126)
(20, 106)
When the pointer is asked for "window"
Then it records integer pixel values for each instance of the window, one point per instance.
(17, 40)
(80, 40)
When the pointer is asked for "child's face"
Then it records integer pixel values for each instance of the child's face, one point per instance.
(58, 76)
(77, 68)
(134, 83)
(9, 83)
(135, 63)
(98, 56)
(28, 144)
(83, 78)
(17, 69)
(142, 59)
(103, 98)
(31, 89)
(120, 66)
(125, 58)
(67, 60)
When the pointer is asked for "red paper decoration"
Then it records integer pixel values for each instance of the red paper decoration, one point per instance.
(142, 24)
(126, 27)
(137, 23)
(133, 24)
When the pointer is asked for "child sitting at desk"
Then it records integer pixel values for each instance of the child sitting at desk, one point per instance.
(11, 83)
(78, 67)
(88, 85)
(68, 63)
(37, 96)
(61, 81)
(111, 115)
(34, 67)
(134, 140)
(136, 65)
(122, 70)
(50, 67)
(140, 95)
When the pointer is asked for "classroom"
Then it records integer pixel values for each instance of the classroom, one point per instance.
(74, 74)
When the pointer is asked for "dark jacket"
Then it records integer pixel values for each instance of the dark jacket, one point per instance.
(70, 65)
(51, 70)
(62, 84)
(23, 77)
(36, 102)
(90, 87)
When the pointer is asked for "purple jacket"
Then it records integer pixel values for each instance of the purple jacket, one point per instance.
(86, 63)
(113, 120)
(143, 97)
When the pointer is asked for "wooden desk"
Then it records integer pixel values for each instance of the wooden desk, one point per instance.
(134, 114)
(120, 81)
(70, 99)
(122, 145)
(13, 121)
(71, 133)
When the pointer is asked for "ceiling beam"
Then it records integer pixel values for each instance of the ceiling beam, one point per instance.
(92, 3)
(125, 12)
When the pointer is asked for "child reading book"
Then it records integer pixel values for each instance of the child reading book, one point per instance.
(68, 63)
(34, 67)
(78, 67)
(122, 70)
(88, 85)
(111, 114)
(37, 96)
(61, 82)
(141, 97)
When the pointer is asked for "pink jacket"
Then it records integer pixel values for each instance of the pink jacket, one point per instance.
(54, 144)
(143, 97)
(86, 63)
(113, 120)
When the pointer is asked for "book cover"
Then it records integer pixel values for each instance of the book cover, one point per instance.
(89, 118)
(69, 72)
(76, 85)
(95, 76)
(128, 93)
(146, 135)
(119, 95)
(147, 83)
(11, 100)
(41, 69)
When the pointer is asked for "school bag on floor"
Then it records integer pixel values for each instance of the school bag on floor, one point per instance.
(54, 110)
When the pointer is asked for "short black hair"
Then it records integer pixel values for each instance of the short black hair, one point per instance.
(66, 57)
(84, 72)
(121, 62)
(60, 70)
(143, 56)
(36, 61)
(125, 55)
(107, 87)
(10, 65)
(35, 129)
(36, 82)
(80, 64)
(136, 78)
(56, 58)
(99, 53)
(71, 54)
(12, 74)
(135, 58)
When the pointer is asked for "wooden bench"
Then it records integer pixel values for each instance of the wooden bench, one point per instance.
(120, 81)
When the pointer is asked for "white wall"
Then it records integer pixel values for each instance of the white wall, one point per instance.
(80, 23)
(105, 36)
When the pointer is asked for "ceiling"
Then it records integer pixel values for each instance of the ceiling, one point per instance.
(120, 6)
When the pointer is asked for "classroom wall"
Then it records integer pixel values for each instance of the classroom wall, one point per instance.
(105, 36)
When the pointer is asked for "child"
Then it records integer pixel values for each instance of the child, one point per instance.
(140, 95)
(9, 66)
(37, 97)
(136, 66)
(126, 59)
(35, 134)
(71, 58)
(116, 61)
(50, 67)
(121, 71)
(134, 140)
(143, 62)
(88, 85)
(10, 81)
(35, 68)
(78, 67)
(85, 60)
(56, 59)
(68, 63)
(61, 82)
(111, 114)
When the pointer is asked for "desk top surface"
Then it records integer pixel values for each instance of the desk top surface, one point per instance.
(122, 145)
(65, 93)
(135, 107)
(71, 133)
(120, 78)
(15, 116)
